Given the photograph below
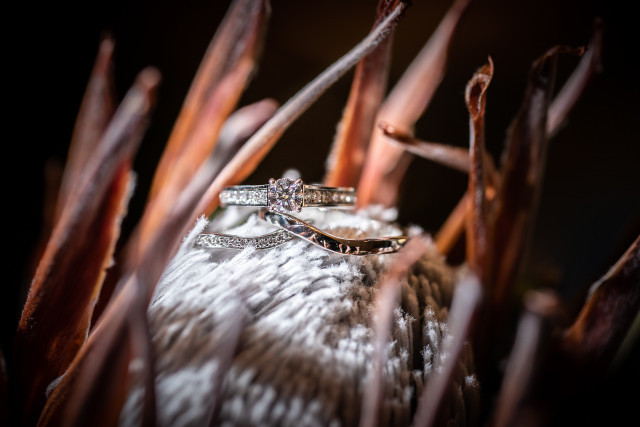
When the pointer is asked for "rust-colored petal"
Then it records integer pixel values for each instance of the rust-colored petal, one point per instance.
(349, 147)
(252, 153)
(572, 89)
(605, 319)
(154, 252)
(193, 141)
(452, 229)
(386, 164)
(522, 169)
(239, 127)
(454, 157)
(72, 268)
(96, 110)
(220, 81)
(143, 354)
(532, 336)
(465, 305)
(386, 301)
(221, 78)
(478, 249)
(95, 386)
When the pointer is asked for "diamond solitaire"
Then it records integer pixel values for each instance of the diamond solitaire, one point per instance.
(287, 195)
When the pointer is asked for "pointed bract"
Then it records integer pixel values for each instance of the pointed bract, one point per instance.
(48, 338)
(349, 148)
(252, 153)
(386, 164)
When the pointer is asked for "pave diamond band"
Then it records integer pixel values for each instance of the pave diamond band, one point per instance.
(228, 241)
(287, 195)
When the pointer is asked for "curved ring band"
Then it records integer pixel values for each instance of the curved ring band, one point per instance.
(383, 245)
(228, 241)
(286, 195)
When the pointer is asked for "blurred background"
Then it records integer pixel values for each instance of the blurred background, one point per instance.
(590, 207)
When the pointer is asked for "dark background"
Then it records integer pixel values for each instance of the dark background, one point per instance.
(590, 207)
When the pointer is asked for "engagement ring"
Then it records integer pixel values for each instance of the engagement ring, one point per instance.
(287, 195)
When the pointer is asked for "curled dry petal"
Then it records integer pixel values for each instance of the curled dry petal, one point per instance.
(386, 164)
(605, 319)
(465, 304)
(447, 155)
(80, 249)
(571, 90)
(478, 249)
(386, 301)
(522, 169)
(349, 148)
(220, 80)
(252, 153)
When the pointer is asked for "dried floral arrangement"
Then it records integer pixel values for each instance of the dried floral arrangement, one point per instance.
(525, 370)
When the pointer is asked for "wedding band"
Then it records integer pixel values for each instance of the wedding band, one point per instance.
(293, 225)
(228, 241)
(287, 195)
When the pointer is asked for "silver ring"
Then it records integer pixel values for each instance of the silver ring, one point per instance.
(228, 241)
(293, 225)
(287, 195)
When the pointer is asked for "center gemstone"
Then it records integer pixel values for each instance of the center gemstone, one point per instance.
(285, 195)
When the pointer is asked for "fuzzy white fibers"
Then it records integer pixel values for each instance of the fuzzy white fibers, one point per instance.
(284, 336)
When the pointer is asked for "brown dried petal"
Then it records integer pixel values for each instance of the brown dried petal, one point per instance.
(478, 249)
(349, 148)
(386, 164)
(605, 319)
(239, 127)
(541, 308)
(465, 304)
(96, 110)
(572, 89)
(73, 265)
(252, 153)
(386, 301)
(522, 169)
(94, 388)
(153, 254)
(451, 230)
(217, 86)
(447, 155)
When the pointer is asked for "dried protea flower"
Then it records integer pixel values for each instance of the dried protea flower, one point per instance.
(127, 321)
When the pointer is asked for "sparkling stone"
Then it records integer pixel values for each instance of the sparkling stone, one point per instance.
(285, 195)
